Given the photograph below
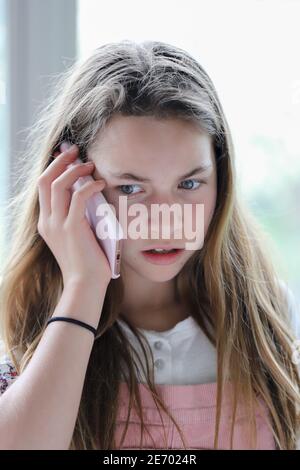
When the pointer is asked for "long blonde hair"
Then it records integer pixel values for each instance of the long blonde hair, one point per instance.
(230, 284)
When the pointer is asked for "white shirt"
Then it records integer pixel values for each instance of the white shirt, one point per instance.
(184, 355)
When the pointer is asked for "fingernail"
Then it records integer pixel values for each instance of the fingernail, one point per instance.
(65, 146)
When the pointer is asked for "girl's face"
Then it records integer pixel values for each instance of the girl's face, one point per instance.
(160, 152)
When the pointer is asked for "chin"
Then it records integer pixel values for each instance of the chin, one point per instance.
(160, 279)
(158, 273)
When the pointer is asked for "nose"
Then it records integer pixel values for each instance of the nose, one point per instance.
(170, 213)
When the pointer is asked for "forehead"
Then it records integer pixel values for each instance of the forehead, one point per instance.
(131, 142)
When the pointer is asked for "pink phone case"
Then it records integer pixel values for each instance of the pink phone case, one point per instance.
(112, 244)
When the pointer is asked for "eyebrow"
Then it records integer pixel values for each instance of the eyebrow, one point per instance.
(198, 169)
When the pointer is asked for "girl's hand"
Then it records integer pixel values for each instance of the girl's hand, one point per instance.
(62, 222)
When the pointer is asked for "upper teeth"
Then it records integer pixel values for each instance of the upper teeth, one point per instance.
(162, 250)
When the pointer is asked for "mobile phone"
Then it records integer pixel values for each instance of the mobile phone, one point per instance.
(111, 244)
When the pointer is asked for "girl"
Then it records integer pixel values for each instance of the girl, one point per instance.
(221, 325)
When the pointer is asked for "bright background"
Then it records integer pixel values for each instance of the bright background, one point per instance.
(250, 49)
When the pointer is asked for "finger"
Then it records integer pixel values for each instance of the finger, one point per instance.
(55, 168)
(79, 200)
(61, 188)
(62, 148)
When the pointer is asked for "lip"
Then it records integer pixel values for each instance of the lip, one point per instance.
(162, 259)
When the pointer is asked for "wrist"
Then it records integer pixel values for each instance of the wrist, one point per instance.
(91, 285)
(81, 300)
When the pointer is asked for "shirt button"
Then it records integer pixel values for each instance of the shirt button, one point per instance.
(158, 344)
(159, 363)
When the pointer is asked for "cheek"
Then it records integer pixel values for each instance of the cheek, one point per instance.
(112, 199)
(208, 200)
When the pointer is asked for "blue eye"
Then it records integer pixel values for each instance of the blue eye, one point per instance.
(126, 186)
(197, 181)
(131, 185)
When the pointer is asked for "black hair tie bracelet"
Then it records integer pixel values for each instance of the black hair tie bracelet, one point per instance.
(72, 320)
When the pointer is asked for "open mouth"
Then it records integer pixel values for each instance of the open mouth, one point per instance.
(162, 252)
